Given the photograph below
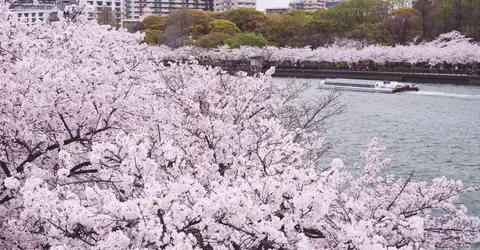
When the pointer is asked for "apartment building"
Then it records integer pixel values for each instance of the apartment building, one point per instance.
(227, 5)
(297, 5)
(32, 13)
(135, 9)
(313, 5)
(277, 10)
(109, 12)
(118, 13)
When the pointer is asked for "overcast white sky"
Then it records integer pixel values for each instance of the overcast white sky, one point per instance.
(262, 4)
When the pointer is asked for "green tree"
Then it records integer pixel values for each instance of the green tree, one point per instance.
(199, 27)
(218, 15)
(154, 22)
(223, 26)
(426, 13)
(318, 33)
(153, 26)
(273, 16)
(348, 16)
(248, 20)
(183, 23)
(246, 39)
(288, 30)
(471, 18)
(367, 33)
(401, 27)
(445, 12)
(151, 36)
(181, 18)
(212, 40)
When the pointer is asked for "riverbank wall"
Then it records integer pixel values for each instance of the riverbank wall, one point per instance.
(463, 75)
(458, 79)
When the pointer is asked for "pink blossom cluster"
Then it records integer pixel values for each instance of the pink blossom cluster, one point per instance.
(102, 146)
(453, 48)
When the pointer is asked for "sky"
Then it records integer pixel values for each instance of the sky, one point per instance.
(262, 4)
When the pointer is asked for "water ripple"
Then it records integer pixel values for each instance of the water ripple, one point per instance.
(434, 132)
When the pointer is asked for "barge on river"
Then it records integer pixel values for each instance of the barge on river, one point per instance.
(366, 85)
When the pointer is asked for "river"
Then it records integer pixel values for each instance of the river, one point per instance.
(434, 132)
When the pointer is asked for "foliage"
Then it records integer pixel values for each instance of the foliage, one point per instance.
(246, 39)
(200, 25)
(317, 33)
(426, 13)
(223, 26)
(103, 146)
(273, 16)
(154, 26)
(383, 22)
(287, 30)
(172, 37)
(151, 36)
(212, 40)
(154, 22)
(349, 15)
(451, 48)
(218, 15)
(248, 20)
(181, 19)
(400, 28)
(183, 23)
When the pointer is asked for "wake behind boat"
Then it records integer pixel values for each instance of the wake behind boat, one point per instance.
(366, 85)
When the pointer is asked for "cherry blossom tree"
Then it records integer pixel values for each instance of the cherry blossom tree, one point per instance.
(451, 48)
(103, 146)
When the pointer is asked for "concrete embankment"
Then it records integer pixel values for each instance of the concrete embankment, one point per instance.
(390, 76)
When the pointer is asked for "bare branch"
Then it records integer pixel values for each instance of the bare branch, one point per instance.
(5, 169)
(66, 126)
(401, 191)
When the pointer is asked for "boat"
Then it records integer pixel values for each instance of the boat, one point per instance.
(366, 85)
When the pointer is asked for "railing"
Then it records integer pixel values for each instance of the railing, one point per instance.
(392, 70)
(245, 65)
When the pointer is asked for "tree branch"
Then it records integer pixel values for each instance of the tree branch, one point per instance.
(5, 199)
(401, 191)
(66, 126)
(5, 169)
(37, 154)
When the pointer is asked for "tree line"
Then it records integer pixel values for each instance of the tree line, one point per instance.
(370, 21)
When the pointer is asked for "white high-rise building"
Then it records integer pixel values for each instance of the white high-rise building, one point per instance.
(314, 4)
(227, 5)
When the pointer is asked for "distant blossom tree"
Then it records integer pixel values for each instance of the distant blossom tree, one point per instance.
(351, 51)
(102, 146)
